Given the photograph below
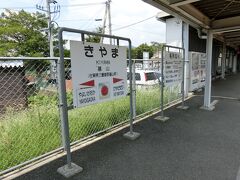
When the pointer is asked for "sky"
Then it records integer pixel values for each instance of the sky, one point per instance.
(81, 14)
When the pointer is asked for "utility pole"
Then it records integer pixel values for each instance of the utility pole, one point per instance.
(104, 22)
(50, 28)
(109, 20)
(50, 32)
(107, 13)
(53, 67)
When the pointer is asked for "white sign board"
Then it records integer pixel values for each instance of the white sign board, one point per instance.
(197, 70)
(203, 60)
(99, 72)
(195, 74)
(173, 68)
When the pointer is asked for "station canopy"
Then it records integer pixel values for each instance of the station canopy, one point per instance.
(220, 16)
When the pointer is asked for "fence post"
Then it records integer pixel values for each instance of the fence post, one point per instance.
(182, 106)
(131, 135)
(70, 168)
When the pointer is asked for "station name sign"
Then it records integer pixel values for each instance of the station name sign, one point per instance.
(99, 72)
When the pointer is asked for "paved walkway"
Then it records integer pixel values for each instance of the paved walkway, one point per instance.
(193, 145)
(229, 87)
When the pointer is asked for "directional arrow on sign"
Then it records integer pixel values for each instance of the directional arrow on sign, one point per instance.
(89, 83)
(115, 80)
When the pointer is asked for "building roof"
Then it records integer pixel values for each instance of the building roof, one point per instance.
(163, 16)
(220, 16)
(11, 63)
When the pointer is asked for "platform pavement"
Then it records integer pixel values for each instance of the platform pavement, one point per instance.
(193, 145)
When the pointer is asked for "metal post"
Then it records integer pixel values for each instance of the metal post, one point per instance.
(82, 37)
(70, 168)
(182, 84)
(183, 69)
(58, 90)
(118, 42)
(207, 93)
(186, 56)
(230, 60)
(235, 64)
(131, 135)
(223, 60)
(134, 90)
(163, 84)
(63, 107)
(162, 118)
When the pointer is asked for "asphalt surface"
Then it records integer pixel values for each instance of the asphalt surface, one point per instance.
(230, 87)
(193, 145)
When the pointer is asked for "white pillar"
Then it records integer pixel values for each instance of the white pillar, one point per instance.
(235, 64)
(231, 60)
(207, 93)
(146, 60)
(223, 61)
(186, 47)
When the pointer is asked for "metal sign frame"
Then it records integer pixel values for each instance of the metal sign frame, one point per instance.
(99, 66)
(70, 168)
(182, 106)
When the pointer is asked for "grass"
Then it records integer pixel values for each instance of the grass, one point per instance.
(27, 134)
(32, 132)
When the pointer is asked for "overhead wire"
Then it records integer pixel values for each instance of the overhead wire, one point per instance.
(139, 30)
(68, 20)
(132, 24)
(85, 4)
(93, 18)
(63, 6)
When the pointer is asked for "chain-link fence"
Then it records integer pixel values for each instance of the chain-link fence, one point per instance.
(148, 80)
(90, 120)
(29, 115)
(29, 118)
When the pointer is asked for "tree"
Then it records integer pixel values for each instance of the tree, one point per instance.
(157, 47)
(95, 39)
(21, 35)
(137, 53)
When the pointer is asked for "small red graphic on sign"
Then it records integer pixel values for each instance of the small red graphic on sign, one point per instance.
(104, 90)
(89, 83)
(115, 80)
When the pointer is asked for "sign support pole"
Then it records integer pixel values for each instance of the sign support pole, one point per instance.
(162, 117)
(131, 135)
(134, 90)
(182, 106)
(70, 168)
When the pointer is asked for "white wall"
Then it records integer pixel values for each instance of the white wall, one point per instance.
(174, 32)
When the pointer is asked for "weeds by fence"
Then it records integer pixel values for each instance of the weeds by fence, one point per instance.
(33, 130)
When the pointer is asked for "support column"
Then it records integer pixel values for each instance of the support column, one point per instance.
(186, 47)
(235, 64)
(223, 61)
(230, 59)
(207, 93)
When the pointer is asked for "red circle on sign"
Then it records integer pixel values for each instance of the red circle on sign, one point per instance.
(104, 90)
